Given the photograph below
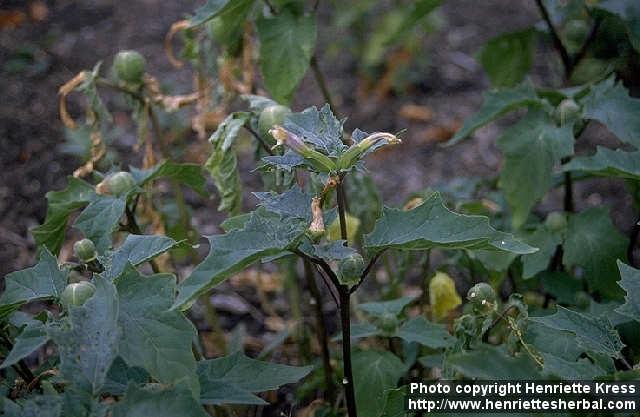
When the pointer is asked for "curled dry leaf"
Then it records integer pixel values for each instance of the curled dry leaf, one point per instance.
(176, 27)
(98, 151)
(63, 92)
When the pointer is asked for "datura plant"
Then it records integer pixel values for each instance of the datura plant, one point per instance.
(109, 320)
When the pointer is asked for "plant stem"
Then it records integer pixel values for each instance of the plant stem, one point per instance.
(341, 211)
(212, 319)
(633, 238)
(322, 83)
(261, 141)
(345, 316)
(321, 330)
(345, 321)
(557, 42)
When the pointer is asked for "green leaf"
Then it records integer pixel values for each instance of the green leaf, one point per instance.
(558, 343)
(320, 128)
(137, 249)
(594, 243)
(32, 338)
(386, 308)
(496, 103)
(493, 362)
(629, 12)
(286, 46)
(374, 372)
(608, 163)
(227, 24)
(88, 339)
(531, 149)
(100, 219)
(235, 378)
(393, 29)
(187, 174)
(630, 282)
(264, 234)
(508, 57)
(610, 104)
(334, 250)
(583, 369)
(432, 225)
(154, 338)
(44, 280)
(158, 401)
(546, 241)
(394, 403)
(292, 203)
(222, 165)
(120, 375)
(422, 331)
(60, 205)
(594, 334)
(42, 406)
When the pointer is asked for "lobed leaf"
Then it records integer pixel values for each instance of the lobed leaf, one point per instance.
(154, 338)
(100, 219)
(32, 338)
(594, 243)
(374, 372)
(422, 331)
(320, 128)
(286, 46)
(187, 174)
(531, 149)
(432, 225)
(158, 401)
(630, 282)
(508, 57)
(595, 334)
(60, 205)
(609, 103)
(608, 163)
(264, 234)
(44, 280)
(493, 363)
(135, 250)
(234, 379)
(88, 339)
(496, 103)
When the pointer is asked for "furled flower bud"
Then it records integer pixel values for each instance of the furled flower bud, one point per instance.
(316, 228)
(365, 146)
(443, 296)
(315, 159)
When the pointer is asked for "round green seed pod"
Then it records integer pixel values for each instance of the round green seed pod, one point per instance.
(482, 296)
(85, 250)
(556, 221)
(116, 184)
(269, 117)
(350, 269)
(388, 323)
(129, 66)
(77, 294)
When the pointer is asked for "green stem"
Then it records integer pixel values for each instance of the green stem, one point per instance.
(212, 319)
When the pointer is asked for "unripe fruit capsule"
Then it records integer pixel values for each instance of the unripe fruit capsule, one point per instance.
(350, 269)
(482, 296)
(116, 184)
(129, 66)
(77, 294)
(85, 250)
